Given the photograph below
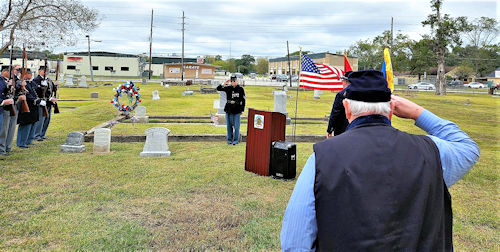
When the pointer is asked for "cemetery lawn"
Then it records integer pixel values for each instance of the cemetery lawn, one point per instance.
(200, 198)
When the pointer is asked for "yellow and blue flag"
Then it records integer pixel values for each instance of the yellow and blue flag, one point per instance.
(387, 69)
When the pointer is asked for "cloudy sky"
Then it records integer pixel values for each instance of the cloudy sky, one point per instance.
(259, 28)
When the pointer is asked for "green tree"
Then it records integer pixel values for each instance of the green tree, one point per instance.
(262, 65)
(218, 57)
(463, 72)
(422, 56)
(367, 53)
(445, 33)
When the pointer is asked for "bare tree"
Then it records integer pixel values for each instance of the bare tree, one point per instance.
(446, 32)
(52, 22)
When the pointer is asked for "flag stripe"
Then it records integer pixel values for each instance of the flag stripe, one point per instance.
(319, 76)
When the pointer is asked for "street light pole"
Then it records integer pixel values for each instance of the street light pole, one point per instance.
(90, 60)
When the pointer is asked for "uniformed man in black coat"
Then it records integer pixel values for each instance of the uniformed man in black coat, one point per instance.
(337, 122)
(9, 122)
(27, 120)
(235, 105)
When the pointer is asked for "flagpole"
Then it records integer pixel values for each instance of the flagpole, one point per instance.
(297, 95)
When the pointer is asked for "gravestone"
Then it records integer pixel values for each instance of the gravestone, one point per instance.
(156, 143)
(102, 140)
(215, 83)
(280, 104)
(221, 115)
(69, 81)
(187, 93)
(74, 143)
(140, 114)
(316, 93)
(216, 104)
(144, 82)
(167, 86)
(61, 77)
(94, 95)
(156, 95)
(83, 82)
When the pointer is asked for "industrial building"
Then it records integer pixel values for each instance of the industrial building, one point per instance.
(157, 66)
(34, 59)
(103, 64)
(192, 71)
(280, 65)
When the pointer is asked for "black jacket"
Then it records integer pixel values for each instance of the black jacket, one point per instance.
(338, 121)
(235, 99)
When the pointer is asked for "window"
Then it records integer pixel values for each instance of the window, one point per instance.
(124, 68)
(108, 68)
(95, 68)
(71, 67)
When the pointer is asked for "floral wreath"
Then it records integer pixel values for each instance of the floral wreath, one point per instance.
(130, 91)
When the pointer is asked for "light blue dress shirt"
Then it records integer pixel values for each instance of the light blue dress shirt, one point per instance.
(458, 154)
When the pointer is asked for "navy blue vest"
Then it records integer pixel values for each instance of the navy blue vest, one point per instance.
(380, 189)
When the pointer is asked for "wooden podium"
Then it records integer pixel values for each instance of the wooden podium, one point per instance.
(263, 128)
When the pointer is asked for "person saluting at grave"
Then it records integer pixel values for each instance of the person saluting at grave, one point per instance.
(235, 105)
(375, 188)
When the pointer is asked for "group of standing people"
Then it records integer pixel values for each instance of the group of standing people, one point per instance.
(39, 94)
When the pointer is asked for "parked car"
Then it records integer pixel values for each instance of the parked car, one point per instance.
(282, 77)
(295, 78)
(455, 83)
(474, 85)
(422, 85)
(272, 76)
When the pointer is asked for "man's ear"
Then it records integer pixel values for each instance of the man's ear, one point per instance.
(348, 113)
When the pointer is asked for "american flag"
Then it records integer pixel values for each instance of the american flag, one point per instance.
(319, 76)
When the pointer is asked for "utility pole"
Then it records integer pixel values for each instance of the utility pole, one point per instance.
(182, 59)
(229, 49)
(392, 37)
(150, 45)
(90, 61)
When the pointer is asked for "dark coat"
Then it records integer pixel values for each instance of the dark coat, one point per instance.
(235, 99)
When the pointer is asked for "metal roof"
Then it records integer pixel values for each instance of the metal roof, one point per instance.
(189, 63)
(103, 54)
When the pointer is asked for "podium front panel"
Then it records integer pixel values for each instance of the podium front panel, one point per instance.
(263, 128)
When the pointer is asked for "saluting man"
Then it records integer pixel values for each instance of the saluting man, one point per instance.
(337, 122)
(375, 188)
(27, 120)
(235, 105)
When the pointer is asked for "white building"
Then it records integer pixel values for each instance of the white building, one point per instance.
(103, 64)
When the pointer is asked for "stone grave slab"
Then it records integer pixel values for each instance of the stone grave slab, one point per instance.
(156, 143)
(140, 114)
(156, 95)
(74, 143)
(102, 140)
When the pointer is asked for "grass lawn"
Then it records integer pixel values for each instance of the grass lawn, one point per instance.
(198, 198)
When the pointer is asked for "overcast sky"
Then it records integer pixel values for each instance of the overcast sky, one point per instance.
(259, 28)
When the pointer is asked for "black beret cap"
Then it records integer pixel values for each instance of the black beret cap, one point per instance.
(41, 68)
(346, 75)
(5, 67)
(28, 71)
(368, 86)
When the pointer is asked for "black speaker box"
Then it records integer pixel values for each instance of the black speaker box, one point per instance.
(283, 160)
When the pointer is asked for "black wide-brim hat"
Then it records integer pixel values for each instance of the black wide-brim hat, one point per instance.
(368, 86)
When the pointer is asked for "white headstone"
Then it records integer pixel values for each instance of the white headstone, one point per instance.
(83, 82)
(156, 95)
(221, 115)
(102, 140)
(216, 104)
(222, 102)
(187, 93)
(144, 81)
(140, 114)
(156, 143)
(69, 81)
(316, 93)
(61, 77)
(280, 104)
(74, 143)
(167, 86)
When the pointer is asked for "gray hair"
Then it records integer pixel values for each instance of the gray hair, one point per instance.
(358, 107)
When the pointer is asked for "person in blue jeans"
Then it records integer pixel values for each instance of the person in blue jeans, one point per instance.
(235, 105)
